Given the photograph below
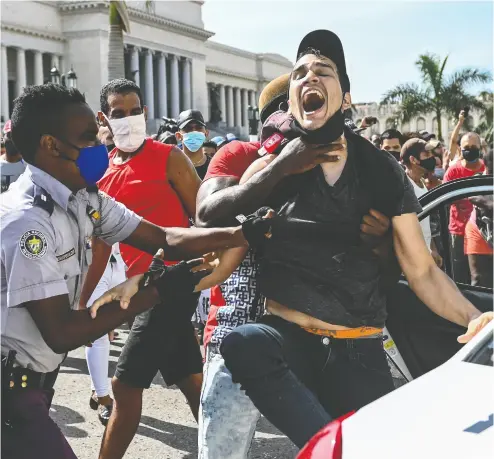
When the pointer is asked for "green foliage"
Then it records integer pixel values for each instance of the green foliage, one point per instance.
(438, 93)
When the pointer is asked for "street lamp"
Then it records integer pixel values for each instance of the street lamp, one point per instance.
(253, 115)
(68, 80)
(71, 78)
(55, 75)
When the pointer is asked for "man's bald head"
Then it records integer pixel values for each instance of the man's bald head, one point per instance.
(470, 139)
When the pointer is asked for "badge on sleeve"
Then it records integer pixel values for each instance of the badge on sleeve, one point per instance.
(33, 244)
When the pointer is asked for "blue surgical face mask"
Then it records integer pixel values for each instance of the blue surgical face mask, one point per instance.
(92, 162)
(194, 140)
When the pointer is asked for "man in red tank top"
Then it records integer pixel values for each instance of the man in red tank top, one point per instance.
(158, 182)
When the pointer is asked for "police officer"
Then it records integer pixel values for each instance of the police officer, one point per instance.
(47, 219)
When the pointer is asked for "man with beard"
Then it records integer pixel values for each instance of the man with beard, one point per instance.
(318, 354)
(47, 219)
(227, 419)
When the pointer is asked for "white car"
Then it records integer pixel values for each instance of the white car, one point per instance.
(445, 409)
(445, 414)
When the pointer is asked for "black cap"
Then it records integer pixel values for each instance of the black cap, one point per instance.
(188, 116)
(425, 135)
(329, 45)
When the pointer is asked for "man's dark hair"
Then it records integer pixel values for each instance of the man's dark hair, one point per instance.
(210, 144)
(410, 135)
(392, 134)
(313, 51)
(39, 111)
(120, 86)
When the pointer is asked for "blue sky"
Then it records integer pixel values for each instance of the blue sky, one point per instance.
(381, 39)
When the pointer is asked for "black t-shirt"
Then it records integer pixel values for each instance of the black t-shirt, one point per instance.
(203, 168)
(316, 263)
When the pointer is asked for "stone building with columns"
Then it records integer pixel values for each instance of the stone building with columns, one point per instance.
(168, 53)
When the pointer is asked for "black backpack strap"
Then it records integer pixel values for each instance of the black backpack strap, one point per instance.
(43, 199)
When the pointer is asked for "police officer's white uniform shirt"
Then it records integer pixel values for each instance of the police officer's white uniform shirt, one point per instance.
(45, 255)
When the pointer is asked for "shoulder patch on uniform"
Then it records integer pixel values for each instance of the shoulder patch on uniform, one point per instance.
(33, 244)
(66, 255)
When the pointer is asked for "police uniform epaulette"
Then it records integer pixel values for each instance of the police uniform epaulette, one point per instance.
(44, 200)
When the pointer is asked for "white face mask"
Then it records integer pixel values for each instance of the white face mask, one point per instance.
(128, 133)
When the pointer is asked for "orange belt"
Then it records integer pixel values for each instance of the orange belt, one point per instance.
(351, 333)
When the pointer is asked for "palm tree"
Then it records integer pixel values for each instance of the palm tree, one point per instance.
(485, 128)
(119, 23)
(438, 93)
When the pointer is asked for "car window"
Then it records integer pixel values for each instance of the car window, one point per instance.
(461, 240)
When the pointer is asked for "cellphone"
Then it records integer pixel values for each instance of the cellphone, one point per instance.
(466, 110)
(372, 120)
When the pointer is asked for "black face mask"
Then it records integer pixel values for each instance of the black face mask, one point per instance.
(471, 154)
(331, 131)
(428, 164)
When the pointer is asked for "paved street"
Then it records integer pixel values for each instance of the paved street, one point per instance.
(167, 428)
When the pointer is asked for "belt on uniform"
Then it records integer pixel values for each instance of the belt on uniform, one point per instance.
(351, 333)
(23, 378)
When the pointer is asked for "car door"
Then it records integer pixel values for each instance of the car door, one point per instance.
(424, 339)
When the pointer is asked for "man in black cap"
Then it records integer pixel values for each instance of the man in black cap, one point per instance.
(319, 354)
(192, 134)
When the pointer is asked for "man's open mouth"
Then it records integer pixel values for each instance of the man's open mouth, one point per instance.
(312, 100)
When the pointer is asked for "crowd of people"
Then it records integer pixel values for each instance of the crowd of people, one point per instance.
(291, 242)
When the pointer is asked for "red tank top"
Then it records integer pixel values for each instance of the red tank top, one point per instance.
(142, 185)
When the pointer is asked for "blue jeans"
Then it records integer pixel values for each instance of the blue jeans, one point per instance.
(300, 381)
(227, 417)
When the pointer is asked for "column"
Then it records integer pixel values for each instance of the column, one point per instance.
(209, 87)
(245, 104)
(149, 92)
(162, 86)
(21, 71)
(252, 99)
(5, 85)
(229, 109)
(175, 94)
(186, 84)
(223, 102)
(134, 65)
(238, 108)
(38, 67)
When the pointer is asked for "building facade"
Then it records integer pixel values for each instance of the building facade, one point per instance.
(168, 53)
(385, 115)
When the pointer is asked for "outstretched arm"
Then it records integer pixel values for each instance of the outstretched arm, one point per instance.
(434, 288)
(183, 243)
(453, 146)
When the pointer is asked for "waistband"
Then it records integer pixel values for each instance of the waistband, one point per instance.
(23, 378)
(352, 333)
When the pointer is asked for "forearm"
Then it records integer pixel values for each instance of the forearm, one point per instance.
(221, 207)
(441, 295)
(453, 146)
(184, 243)
(101, 255)
(78, 327)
